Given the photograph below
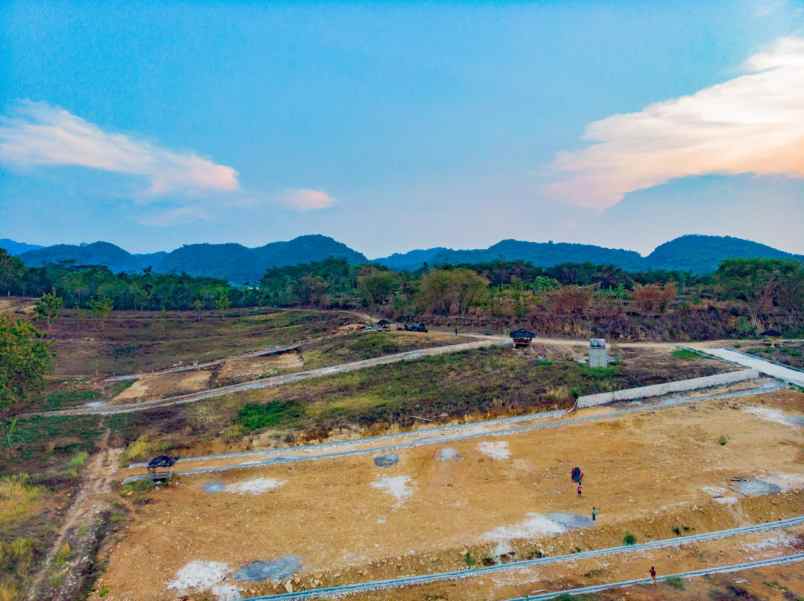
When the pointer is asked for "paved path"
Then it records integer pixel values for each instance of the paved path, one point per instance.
(791, 376)
(376, 585)
(390, 443)
(104, 409)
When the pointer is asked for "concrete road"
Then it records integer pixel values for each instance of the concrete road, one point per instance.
(786, 374)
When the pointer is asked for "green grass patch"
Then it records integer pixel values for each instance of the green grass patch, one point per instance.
(685, 354)
(254, 416)
(600, 373)
(61, 398)
(118, 387)
(675, 582)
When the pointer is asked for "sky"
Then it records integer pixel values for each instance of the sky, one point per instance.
(398, 125)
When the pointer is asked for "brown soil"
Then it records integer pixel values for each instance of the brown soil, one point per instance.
(162, 385)
(240, 370)
(646, 472)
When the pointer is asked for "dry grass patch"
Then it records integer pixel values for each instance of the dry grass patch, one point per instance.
(19, 499)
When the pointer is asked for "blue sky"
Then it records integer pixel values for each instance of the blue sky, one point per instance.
(397, 125)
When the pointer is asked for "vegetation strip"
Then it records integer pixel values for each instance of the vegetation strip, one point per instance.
(518, 565)
(280, 460)
(276, 380)
(724, 569)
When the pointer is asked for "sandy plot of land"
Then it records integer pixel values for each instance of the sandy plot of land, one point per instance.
(239, 370)
(161, 385)
(556, 577)
(350, 520)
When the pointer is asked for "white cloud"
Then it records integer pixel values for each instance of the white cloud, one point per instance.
(306, 199)
(752, 124)
(38, 134)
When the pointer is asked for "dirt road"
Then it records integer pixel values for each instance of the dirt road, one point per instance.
(104, 409)
(81, 527)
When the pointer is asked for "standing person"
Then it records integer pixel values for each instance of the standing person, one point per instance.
(594, 513)
(653, 574)
(580, 489)
(456, 330)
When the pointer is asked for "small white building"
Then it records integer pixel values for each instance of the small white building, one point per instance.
(598, 353)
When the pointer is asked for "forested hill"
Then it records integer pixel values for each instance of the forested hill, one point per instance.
(237, 263)
(232, 262)
(13, 247)
(695, 253)
(703, 254)
(543, 254)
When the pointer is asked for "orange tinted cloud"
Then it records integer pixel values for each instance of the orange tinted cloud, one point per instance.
(752, 124)
(38, 134)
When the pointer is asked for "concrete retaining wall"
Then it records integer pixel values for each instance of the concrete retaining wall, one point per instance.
(629, 394)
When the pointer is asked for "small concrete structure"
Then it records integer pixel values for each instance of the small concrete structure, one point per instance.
(598, 353)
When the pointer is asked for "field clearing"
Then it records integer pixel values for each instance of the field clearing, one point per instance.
(349, 520)
(141, 341)
(474, 384)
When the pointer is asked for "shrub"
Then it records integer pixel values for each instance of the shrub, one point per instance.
(253, 416)
(676, 582)
(629, 539)
(722, 441)
(469, 560)
(76, 462)
(144, 448)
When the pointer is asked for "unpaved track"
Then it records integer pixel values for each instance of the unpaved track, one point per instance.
(485, 342)
(389, 443)
(376, 585)
(89, 503)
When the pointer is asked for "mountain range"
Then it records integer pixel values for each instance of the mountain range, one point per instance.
(234, 262)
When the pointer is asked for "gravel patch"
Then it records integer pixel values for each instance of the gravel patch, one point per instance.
(277, 570)
(448, 454)
(202, 575)
(755, 488)
(496, 450)
(255, 486)
(396, 486)
(386, 460)
(776, 415)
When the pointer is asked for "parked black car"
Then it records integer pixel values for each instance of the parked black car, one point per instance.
(415, 327)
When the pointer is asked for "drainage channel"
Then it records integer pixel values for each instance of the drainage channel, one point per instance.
(376, 585)
(723, 569)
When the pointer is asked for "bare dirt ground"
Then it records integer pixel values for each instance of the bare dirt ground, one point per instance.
(23, 306)
(346, 520)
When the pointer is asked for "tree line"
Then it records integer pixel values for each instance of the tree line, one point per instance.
(503, 288)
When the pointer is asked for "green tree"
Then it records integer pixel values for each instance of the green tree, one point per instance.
(48, 307)
(25, 358)
(101, 307)
(12, 272)
(377, 285)
(222, 301)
